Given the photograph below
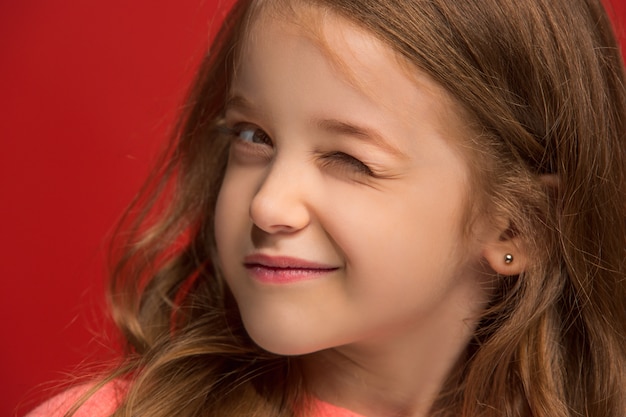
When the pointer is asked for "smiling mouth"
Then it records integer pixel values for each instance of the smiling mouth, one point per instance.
(283, 270)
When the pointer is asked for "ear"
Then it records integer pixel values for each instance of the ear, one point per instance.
(504, 252)
(505, 249)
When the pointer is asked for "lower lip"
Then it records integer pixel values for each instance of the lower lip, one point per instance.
(272, 275)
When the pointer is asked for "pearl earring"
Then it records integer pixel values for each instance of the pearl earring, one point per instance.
(508, 258)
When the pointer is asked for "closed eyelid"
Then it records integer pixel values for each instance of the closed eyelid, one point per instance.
(346, 159)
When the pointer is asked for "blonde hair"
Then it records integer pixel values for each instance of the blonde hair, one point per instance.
(543, 82)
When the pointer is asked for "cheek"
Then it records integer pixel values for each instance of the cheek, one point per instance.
(231, 212)
(221, 226)
(396, 237)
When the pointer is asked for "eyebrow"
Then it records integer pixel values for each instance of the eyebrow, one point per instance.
(238, 102)
(361, 132)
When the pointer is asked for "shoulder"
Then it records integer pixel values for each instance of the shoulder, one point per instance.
(101, 404)
(324, 409)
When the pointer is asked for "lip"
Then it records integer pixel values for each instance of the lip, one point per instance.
(284, 269)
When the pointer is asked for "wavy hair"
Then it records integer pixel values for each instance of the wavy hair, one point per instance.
(543, 83)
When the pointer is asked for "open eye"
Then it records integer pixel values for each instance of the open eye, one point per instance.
(251, 134)
(343, 160)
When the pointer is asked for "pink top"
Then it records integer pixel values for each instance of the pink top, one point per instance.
(328, 410)
(105, 401)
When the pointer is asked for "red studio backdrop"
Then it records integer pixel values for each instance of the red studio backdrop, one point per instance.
(88, 93)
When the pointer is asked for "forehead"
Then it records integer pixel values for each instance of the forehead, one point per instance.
(347, 46)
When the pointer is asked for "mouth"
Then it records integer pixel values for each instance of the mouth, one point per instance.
(284, 269)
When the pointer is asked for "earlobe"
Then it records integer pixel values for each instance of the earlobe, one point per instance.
(506, 263)
(506, 256)
(506, 252)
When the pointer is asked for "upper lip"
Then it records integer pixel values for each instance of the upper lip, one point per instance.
(286, 262)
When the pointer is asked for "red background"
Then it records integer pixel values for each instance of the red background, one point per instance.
(88, 92)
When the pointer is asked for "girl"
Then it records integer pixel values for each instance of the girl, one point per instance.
(402, 208)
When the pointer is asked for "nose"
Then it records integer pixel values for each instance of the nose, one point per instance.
(279, 205)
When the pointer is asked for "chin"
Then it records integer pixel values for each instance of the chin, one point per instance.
(282, 343)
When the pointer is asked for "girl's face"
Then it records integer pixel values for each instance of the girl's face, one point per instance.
(340, 218)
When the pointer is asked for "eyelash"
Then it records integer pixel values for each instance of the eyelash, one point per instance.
(346, 160)
(236, 130)
(330, 159)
